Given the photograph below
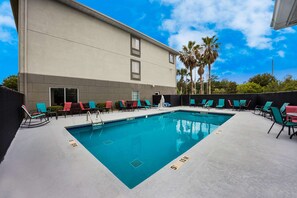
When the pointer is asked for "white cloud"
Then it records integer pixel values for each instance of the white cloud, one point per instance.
(281, 53)
(6, 22)
(251, 17)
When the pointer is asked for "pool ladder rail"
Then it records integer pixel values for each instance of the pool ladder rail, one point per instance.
(89, 115)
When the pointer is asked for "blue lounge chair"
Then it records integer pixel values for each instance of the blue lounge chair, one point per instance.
(279, 120)
(263, 109)
(92, 106)
(148, 103)
(221, 103)
(139, 105)
(208, 104)
(283, 108)
(236, 104)
(203, 102)
(192, 102)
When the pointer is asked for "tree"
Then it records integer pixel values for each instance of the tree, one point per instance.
(249, 87)
(289, 84)
(262, 79)
(181, 84)
(211, 47)
(187, 57)
(201, 64)
(11, 82)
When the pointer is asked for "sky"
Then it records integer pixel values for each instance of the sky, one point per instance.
(247, 42)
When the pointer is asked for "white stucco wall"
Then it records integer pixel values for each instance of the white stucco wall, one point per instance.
(65, 42)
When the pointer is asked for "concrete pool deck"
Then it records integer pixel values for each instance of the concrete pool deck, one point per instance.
(239, 159)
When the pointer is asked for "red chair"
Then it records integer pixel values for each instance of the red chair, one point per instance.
(82, 108)
(291, 109)
(67, 108)
(230, 104)
(108, 106)
(134, 105)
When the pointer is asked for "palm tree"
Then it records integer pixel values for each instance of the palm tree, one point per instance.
(187, 57)
(211, 47)
(201, 64)
(182, 73)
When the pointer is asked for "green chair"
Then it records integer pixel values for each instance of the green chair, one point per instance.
(148, 103)
(264, 108)
(203, 102)
(221, 103)
(192, 102)
(236, 104)
(283, 108)
(208, 104)
(277, 116)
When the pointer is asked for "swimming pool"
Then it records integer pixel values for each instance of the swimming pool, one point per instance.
(134, 149)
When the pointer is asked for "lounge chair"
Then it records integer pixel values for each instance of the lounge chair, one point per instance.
(108, 106)
(66, 109)
(230, 104)
(236, 104)
(167, 104)
(242, 103)
(122, 105)
(246, 106)
(208, 104)
(283, 108)
(41, 108)
(29, 117)
(277, 116)
(83, 109)
(203, 102)
(92, 106)
(139, 105)
(148, 103)
(192, 102)
(221, 103)
(264, 108)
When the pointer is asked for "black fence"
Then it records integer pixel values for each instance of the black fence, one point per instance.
(256, 99)
(11, 117)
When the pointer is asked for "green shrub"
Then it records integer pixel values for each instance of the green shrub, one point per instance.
(55, 108)
(100, 105)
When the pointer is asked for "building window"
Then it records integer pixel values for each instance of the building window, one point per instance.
(135, 95)
(135, 46)
(60, 95)
(171, 58)
(135, 70)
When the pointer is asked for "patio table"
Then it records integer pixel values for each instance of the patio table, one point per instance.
(292, 115)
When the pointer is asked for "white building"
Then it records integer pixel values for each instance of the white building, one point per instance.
(69, 52)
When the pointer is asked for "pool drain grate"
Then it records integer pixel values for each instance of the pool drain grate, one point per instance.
(179, 163)
(136, 163)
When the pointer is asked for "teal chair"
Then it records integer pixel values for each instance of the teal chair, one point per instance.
(263, 109)
(41, 107)
(148, 103)
(208, 104)
(277, 116)
(139, 105)
(283, 108)
(236, 104)
(92, 106)
(242, 103)
(192, 102)
(221, 103)
(203, 102)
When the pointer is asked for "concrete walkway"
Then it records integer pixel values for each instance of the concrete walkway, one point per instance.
(239, 159)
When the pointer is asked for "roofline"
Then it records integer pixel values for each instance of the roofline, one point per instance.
(91, 12)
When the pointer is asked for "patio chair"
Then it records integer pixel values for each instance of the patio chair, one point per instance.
(41, 108)
(66, 109)
(83, 109)
(221, 103)
(167, 104)
(37, 116)
(192, 102)
(230, 104)
(203, 102)
(236, 105)
(283, 109)
(139, 105)
(92, 106)
(208, 104)
(122, 105)
(264, 108)
(148, 103)
(246, 106)
(242, 103)
(108, 106)
(277, 116)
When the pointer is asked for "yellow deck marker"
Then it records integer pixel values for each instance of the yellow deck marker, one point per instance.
(72, 143)
(179, 163)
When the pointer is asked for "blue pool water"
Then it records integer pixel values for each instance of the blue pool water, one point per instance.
(133, 150)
